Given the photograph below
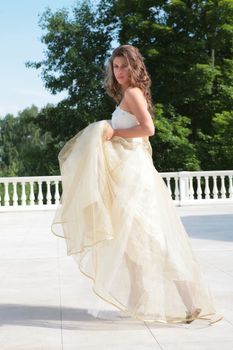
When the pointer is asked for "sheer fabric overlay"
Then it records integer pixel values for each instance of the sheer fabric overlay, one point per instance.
(121, 227)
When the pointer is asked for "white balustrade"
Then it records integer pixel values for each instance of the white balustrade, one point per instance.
(29, 193)
(185, 188)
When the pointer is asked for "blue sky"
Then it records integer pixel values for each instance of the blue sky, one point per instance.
(20, 34)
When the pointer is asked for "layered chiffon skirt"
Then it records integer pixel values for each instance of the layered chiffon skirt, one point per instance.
(121, 226)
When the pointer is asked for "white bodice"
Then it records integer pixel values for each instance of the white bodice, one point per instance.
(122, 119)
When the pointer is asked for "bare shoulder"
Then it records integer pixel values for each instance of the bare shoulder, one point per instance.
(133, 92)
(134, 95)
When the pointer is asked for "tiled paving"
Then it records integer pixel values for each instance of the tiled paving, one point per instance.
(44, 300)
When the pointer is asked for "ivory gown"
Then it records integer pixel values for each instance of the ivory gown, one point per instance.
(121, 226)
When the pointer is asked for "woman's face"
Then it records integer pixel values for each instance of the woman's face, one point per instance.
(121, 71)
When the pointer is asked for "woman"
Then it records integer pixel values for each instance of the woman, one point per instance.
(116, 212)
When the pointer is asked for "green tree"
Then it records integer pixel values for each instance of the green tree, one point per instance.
(217, 149)
(76, 51)
(9, 153)
(187, 46)
(172, 150)
(188, 50)
(24, 148)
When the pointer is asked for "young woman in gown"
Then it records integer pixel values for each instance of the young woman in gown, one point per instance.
(116, 213)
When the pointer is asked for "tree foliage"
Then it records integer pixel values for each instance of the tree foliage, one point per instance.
(25, 150)
(77, 45)
(187, 47)
(172, 150)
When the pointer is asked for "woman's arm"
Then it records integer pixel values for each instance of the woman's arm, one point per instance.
(135, 131)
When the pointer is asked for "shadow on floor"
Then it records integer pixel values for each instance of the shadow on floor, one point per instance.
(212, 227)
(67, 318)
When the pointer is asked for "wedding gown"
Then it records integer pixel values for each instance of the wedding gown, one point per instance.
(121, 226)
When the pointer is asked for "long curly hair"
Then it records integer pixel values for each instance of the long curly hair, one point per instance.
(138, 74)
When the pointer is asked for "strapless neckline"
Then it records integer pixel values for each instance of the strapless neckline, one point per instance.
(122, 119)
(122, 110)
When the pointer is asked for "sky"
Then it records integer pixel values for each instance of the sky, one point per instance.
(20, 35)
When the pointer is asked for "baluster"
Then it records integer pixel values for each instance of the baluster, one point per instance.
(23, 196)
(177, 192)
(207, 188)
(27, 192)
(215, 188)
(57, 195)
(48, 194)
(32, 196)
(169, 185)
(15, 195)
(191, 188)
(40, 195)
(6, 198)
(230, 186)
(223, 188)
(184, 186)
(199, 191)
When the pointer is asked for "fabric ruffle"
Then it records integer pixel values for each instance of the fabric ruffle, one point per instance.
(121, 226)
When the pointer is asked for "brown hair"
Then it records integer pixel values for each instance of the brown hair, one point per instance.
(138, 74)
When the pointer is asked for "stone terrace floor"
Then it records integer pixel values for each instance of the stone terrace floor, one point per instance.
(44, 299)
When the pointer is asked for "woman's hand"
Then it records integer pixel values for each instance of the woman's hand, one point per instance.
(109, 133)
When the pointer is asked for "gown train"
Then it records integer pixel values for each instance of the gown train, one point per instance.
(121, 226)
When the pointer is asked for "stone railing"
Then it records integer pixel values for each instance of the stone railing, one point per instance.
(185, 187)
(29, 193)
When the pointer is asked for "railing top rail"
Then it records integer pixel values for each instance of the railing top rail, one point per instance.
(169, 174)
(206, 173)
(164, 174)
(30, 178)
(198, 173)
